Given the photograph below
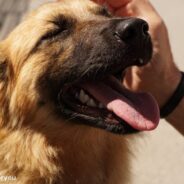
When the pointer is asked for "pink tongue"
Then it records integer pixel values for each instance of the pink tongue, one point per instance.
(139, 110)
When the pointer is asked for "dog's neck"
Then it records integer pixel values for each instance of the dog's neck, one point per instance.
(79, 155)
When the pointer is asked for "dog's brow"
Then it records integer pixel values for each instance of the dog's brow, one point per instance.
(59, 19)
(62, 23)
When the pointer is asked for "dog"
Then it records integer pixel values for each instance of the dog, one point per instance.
(64, 116)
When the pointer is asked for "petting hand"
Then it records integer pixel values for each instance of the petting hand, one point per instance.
(161, 76)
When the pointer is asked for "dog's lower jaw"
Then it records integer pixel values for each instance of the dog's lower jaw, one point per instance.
(85, 155)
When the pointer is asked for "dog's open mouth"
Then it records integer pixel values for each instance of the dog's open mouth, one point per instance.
(107, 104)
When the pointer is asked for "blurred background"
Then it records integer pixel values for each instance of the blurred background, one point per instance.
(158, 157)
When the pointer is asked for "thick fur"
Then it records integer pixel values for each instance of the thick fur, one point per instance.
(36, 145)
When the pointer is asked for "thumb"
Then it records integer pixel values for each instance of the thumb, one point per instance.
(116, 4)
(124, 11)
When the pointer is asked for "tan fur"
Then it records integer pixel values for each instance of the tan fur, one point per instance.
(35, 145)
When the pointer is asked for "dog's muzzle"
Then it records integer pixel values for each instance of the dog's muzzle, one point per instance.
(98, 98)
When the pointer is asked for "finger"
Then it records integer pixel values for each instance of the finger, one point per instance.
(124, 11)
(117, 3)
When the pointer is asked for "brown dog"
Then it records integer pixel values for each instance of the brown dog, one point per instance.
(58, 92)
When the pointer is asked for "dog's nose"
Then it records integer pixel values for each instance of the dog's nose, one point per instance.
(131, 29)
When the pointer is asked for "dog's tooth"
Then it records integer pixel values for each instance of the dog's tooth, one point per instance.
(91, 103)
(86, 98)
(82, 96)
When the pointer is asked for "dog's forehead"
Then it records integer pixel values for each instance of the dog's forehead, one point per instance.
(39, 22)
(78, 9)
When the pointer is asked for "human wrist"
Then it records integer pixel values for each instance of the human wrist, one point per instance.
(176, 118)
(174, 99)
(169, 85)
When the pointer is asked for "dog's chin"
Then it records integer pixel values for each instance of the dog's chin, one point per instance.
(104, 103)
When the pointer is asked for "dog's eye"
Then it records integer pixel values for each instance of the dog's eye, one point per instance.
(51, 34)
(62, 26)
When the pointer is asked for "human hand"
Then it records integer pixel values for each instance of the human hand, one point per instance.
(161, 76)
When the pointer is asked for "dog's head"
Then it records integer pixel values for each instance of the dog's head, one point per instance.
(62, 61)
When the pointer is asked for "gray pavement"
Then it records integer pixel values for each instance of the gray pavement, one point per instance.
(158, 157)
(11, 12)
